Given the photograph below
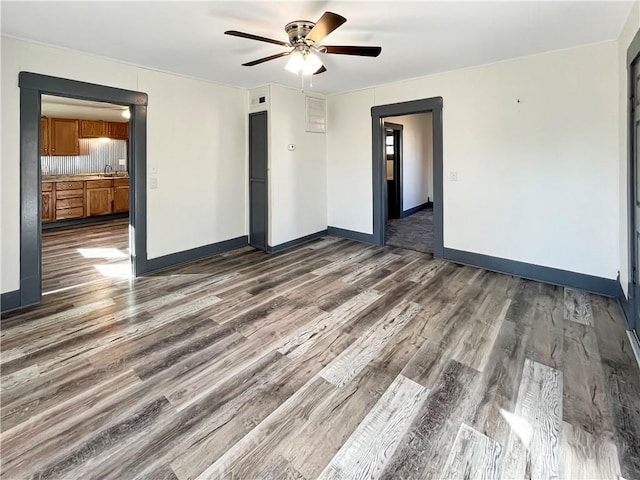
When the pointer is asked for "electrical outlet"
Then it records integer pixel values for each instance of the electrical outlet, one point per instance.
(153, 183)
(453, 176)
(122, 162)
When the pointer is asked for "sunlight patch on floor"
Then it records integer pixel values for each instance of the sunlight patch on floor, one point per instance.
(106, 253)
(520, 426)
(117, 270)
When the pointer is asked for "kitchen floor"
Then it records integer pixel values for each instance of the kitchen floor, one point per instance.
(76, 256)
(335, 359)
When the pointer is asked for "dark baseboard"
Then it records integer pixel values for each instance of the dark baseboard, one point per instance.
(351, 235)
(10, 301)
(564, 278)
(186, 256)
(84, 221)
(413, 210)
(296, 242)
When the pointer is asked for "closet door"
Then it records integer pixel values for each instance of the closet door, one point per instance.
(258, 192)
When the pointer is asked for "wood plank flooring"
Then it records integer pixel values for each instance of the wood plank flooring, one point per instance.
(74, 256)
(332, 360)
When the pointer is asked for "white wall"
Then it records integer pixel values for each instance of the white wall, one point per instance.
(196, 140)
(417, 158)
(538, 178)
(349, 169)
(297, 179)
(626, 36)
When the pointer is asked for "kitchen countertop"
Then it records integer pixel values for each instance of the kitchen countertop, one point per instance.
(81, 177)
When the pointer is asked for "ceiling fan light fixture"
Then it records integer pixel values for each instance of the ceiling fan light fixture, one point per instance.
(311, 64)
(303, 61)
(296, 62)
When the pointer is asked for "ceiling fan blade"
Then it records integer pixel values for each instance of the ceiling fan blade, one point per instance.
(265, 59)
(320, 70)
(236, 33)
(352, 50)
(328, 22)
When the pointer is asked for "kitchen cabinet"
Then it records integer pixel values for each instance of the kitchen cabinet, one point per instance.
(93, 129)
(118, 130)
(69, 200)
(99, 197)
(63, 137)
(44, 136)
(48, 203)
(120, 199)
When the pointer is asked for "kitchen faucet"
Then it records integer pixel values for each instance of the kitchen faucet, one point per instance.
(107, 167)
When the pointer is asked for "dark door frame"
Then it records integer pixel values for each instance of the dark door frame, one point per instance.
(397, 161)
(378, 113)
(32, 87)
(633, 304)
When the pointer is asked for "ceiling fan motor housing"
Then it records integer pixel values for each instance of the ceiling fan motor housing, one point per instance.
(298, 31)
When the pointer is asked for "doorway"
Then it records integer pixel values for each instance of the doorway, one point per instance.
(86, 192)
(409, 222)
(381, 115)
(32, 87)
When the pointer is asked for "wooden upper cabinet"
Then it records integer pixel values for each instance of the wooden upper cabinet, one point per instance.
(44, 136)
(118, 130)
(93, 129)
(63, 136)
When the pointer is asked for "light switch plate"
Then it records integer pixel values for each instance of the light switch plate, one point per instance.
(153, 183)
(453, 176)
(291, 147)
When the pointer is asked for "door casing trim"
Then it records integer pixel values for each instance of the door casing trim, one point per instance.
(32, 87)
(378, 113)
(631, 312)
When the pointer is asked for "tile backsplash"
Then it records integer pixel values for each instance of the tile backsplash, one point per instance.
(94, 155)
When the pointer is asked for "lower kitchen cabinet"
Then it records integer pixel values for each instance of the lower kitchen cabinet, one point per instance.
(67, 200)
(48, 207)
(120, 199)
(99, 201)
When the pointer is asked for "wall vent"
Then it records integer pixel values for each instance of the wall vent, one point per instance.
(316, 115)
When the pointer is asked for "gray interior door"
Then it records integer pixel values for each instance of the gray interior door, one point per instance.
(258, 193)
(393, 160)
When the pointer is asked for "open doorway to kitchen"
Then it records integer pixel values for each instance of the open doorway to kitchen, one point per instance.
(85, 192)
(409, 168)
(430, 133)
(32, 87)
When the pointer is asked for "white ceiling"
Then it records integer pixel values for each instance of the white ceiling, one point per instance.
(62, 107)
(417, 38)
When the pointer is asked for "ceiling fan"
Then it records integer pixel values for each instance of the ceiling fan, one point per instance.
(304, 44)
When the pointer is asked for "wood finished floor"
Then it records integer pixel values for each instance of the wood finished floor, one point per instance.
(333, 360)
(79, 255)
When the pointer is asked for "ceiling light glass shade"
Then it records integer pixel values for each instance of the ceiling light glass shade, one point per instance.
(311, 64)
(296, 61)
